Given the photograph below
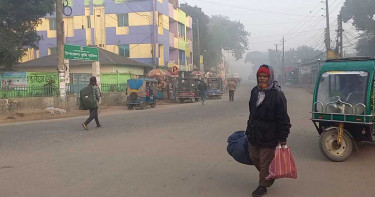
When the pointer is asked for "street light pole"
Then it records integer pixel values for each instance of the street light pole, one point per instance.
(60, 48)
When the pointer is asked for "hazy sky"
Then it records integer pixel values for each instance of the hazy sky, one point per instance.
(300, 21)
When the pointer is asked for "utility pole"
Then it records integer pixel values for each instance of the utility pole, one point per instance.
(328, 35)
(199, 46)
(154, 33)
(277, 57)
(60, 48)
(283, 60)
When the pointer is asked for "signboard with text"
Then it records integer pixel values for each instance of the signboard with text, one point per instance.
(75, 52)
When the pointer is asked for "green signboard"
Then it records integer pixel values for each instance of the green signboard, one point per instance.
(75, 52)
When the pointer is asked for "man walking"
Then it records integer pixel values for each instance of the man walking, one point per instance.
(268, 125)
(202, 87)
(94, 109)
(232, 87)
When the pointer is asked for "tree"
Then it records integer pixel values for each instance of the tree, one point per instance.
(198, 16)
(18, 20)
(257, 58)
(227, 35)
(362, 12)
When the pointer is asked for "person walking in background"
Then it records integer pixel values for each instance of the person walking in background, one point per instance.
(268, 125)
(93, 109)
(202, 87)
(232, 87)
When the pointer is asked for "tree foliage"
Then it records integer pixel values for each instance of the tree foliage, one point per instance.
(202, 19)
(18, 20)
(292, 57)
(228, 35)
(361, 13)
(216, 33)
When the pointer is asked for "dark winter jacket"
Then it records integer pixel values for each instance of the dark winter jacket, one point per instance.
(268, 123)
(202, 86)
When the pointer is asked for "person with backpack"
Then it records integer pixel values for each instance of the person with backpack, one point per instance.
(202, 87)
(90, 97)
(268, 125)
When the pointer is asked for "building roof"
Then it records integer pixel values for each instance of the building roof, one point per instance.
(105, 58)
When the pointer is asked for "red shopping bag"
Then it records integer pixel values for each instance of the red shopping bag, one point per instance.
(282, 166)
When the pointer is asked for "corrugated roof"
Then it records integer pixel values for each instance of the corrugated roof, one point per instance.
(105, 58)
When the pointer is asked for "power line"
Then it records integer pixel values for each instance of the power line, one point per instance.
(252, 9)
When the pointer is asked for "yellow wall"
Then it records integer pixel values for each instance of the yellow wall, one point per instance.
(122, 30)
(112, 48)
(111, 20)
(29, 55)
(99, 25)
(69, 27)
(140, 50)
(161, 54)
(161, 1)
(80, 21)
(140, 19)
(44, 25)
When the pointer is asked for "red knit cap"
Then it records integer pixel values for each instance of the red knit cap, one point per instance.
(265, 70)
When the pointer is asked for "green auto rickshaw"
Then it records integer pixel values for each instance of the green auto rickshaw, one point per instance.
(343, 106)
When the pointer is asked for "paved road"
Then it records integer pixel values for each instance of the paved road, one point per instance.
(172, 150)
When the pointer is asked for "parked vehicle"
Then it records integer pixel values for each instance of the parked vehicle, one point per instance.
(344, 106)
(215, 87)
(142, 92)
(187, 90)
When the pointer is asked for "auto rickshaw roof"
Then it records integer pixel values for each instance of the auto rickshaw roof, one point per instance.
(349, 64)
(137, 83)
(351, 59)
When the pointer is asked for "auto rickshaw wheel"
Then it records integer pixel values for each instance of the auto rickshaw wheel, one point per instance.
(332, 149)
(153, 105)
(130, 107)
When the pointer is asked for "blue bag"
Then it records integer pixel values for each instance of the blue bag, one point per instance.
(238, 147)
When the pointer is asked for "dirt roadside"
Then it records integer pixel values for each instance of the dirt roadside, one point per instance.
(30, 115)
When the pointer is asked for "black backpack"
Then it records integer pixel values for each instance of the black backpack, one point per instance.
(87, 100)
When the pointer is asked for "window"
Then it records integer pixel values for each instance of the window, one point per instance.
(345, 86)
(52, 24)
(52, 50)
(181, 57)
(181, 30)
(124, 50)
(122, 20)
(88, 22)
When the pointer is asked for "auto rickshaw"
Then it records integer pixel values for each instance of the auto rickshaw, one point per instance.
(215, 87)
(141, 92)
(344, 106)
(187, 90)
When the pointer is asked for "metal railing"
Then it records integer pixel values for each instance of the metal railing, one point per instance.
(8, 92)
(121, 87)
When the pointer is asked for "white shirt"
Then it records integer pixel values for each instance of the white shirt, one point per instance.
(261, 96)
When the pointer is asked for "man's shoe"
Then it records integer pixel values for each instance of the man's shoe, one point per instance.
(84, 126)
(260, 191)
(99, 125)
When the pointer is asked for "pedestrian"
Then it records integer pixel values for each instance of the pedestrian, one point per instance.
(202, 87)
(268, 124)
(232, 87)
(93, 110)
